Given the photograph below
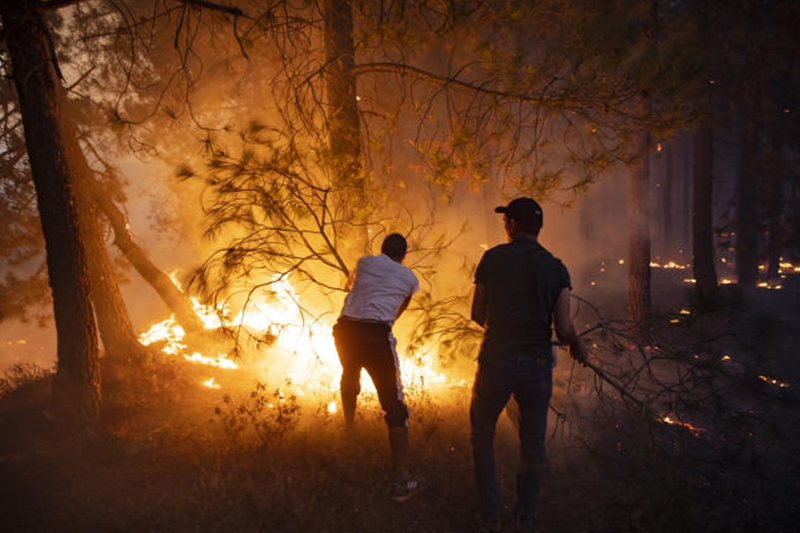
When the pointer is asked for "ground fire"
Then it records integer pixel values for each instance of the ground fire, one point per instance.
(302, 352)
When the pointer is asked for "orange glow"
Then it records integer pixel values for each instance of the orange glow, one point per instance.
(672, 265)
(303, 352)
(773, 381)
(673, 421)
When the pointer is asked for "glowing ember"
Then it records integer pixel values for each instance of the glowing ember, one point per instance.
(785, 266)
(332, 408)
(210, 384)
(685, 312)
(773, 381)
(672, 421)
(726, 281)
(689, 280)
(672, 265)
(726, 358)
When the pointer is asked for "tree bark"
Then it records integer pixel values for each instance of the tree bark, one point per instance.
(703, 266)
(344, 128)
(747, 191)
(668, 203)
(116, 330)
(639, 232)
(340, 83)
(774, 208)
(76, 389)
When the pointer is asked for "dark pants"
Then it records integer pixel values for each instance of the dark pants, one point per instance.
(530, 380)
(372, 347)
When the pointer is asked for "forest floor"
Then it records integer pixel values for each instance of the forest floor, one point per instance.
(184, 460)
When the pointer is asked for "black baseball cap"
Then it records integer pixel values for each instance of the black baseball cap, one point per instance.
(525, 211)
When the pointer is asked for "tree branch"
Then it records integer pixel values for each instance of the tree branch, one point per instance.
(400, 68)
(235, 11)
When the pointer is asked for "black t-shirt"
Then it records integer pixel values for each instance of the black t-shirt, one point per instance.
(522, 281)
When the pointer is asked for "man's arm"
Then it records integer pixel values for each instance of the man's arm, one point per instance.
(479, 305)
(565, 329)
(403, 307)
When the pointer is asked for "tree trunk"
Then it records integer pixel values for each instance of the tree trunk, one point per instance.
(703, 266)
(639, 232)
(340, 83)
(76, 389)
(687, 194)
(774, 209)
(747, 207)
(344, 128)
(161, 283)
(668, 204)
(116, 330)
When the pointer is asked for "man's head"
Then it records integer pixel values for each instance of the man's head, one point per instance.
(522, 215)
(395, 246)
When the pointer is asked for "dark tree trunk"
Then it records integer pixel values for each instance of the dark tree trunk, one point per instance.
(116, 330)
(340, 84)
(747, 206)
(161, 283)
(76, 389)
(774, 210)
(774, 241)
(668, 205)
(703, 266)
(687, 194)
(344, 128)
(639, 232)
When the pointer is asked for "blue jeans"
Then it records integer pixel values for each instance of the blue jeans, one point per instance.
(530, 380)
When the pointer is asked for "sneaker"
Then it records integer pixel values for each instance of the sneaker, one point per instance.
(403, 490)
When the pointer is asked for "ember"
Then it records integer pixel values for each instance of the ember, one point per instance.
(773, 381)
(672, 421)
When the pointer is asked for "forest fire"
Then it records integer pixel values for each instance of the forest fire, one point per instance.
(671, 265)
(300, 351)
(673, 421)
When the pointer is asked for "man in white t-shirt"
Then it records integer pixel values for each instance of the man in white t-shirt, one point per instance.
(380, 292)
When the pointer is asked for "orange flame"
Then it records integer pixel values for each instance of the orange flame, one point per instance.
(303, 354)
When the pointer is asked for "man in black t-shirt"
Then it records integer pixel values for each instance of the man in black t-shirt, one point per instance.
(520, 291)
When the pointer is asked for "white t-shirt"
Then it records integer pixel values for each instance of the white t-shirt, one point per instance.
(381, 284)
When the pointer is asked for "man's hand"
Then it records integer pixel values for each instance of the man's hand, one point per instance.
(578, 352)
(479, 305)
(565, 329)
